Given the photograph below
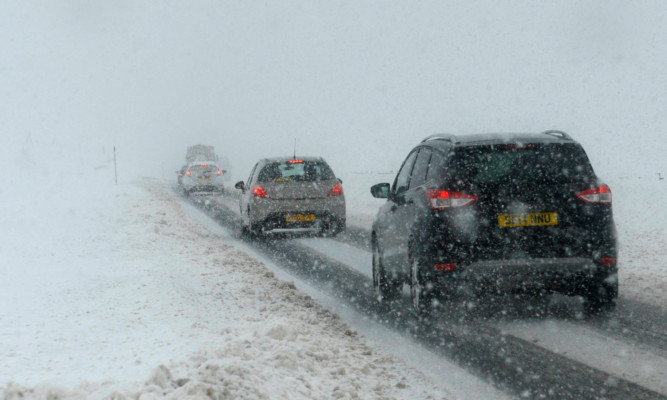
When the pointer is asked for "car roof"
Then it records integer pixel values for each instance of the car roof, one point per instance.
(194, 163)
(285, 159)
(448, 140)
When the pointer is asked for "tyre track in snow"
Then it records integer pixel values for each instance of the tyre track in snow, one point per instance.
(511, 363)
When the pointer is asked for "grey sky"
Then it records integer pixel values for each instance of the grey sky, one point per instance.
(356, 82)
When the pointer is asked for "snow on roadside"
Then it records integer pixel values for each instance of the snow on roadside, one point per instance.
(129, 298)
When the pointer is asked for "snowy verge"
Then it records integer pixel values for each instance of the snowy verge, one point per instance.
(154, 305)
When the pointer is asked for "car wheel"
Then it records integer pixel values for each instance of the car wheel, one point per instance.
(333, 228)
(254, 229)
(600, 297)
(421, 289)
(386, 288)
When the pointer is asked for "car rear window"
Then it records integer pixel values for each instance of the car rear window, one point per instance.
(203, 168)
(304, 171)
(521, 164)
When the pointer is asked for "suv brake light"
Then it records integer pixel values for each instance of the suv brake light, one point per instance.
(188, 173)
(441, 199)
(259, 191)
(337, 190)
(219, 172)
(600, 194)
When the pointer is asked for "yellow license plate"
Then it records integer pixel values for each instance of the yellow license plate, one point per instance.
(528, 219)
(208, 178)
(300, 217)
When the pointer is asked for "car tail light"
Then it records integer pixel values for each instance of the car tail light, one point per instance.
(219, 172)
(204, 165)
(445, 267)
(188, 173)
(259, 191)
(608, 261)
(441, 199)
(600, 194)
(337, 190)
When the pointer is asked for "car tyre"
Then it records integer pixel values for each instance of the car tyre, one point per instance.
(254, 229)
(386, 288)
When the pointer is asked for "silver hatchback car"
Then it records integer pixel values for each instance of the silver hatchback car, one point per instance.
(292, 195)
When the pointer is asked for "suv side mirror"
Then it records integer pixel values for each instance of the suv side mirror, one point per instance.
(240, 185)
(380, 190)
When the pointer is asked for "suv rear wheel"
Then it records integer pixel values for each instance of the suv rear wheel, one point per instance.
(600, 296)
(421, 289)
(386, 288)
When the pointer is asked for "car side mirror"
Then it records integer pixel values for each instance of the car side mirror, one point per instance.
(240, 185)
(380, 190)
(224, 171)
(340, 181)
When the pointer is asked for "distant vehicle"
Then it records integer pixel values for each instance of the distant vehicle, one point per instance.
(200, 152)
(501, 213)
(181, 174)
(292, 195)
(202, 177)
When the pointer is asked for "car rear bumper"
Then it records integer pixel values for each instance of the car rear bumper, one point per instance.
(271, 213)
(324, 221)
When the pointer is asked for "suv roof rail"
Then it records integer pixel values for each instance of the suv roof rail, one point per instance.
(558, 134)
(441, 136)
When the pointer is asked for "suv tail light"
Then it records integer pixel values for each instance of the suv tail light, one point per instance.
(337, 190)
(188, 173)
(441, 199)
(445, 267)
(259, 191)
(600, 194)
(219, 172)
(608, 261)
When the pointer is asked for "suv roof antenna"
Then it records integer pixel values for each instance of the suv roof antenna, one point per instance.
(294, 149)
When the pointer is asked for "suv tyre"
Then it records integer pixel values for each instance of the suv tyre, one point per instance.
(421, 288)
(386, 288)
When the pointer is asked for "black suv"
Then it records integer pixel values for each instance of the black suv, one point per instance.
(500, 213)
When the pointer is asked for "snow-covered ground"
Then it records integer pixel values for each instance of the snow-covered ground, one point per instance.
(129, 291)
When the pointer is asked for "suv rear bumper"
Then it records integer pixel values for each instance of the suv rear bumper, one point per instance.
(565, 275)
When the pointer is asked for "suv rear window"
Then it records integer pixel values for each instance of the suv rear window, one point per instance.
(520, 164)
(306, 171)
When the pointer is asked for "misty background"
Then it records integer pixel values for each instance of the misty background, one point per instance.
(358, 83)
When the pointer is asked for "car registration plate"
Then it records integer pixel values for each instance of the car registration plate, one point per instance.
(300, 217)
(204, 177)
(527, 219)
